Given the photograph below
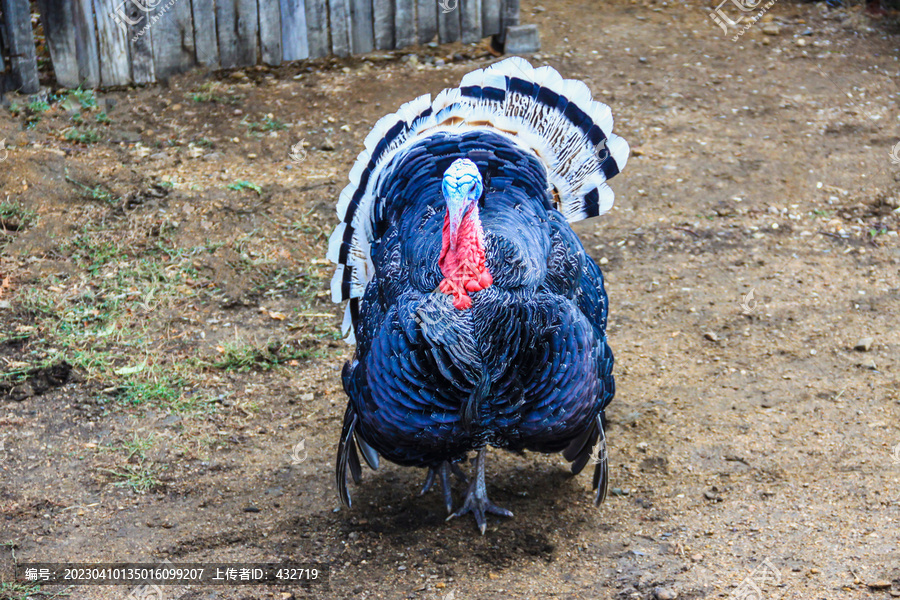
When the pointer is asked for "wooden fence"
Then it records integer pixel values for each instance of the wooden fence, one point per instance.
(118, 42)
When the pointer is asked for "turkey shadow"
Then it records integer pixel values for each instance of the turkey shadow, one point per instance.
(538, 493)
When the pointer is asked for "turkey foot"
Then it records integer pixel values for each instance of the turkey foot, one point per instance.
(444, 472)
(476, 501)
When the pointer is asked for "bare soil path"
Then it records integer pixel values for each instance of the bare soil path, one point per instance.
(172, 358)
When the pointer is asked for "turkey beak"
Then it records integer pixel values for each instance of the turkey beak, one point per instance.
(456, 209)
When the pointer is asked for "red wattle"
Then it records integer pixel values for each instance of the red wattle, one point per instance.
(464, 266)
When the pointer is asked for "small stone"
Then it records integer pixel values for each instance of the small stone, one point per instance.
(175, 107)
(604, 260)
(696, 557)
(251, 509)
(771, 29)
(522, 39)
(353, 535)
(642, 60)
(814, 571)
(307, 397)
(252, 155)
(800, 42)
(440, 585)
(864, 344)
(662, 593)
(239, 75)
(711, 336)
(327, 145)
(881, 584)
(5, 305)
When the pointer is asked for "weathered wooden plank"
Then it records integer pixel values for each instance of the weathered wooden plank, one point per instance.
(470, 20)
(339, 11)
(173, 39)
(404, 23)
(490, 17)
(317, 28)
(59, 30)
(86, 49)
(270, 32)
(112, 36)
(362, 30)
(293, 30)
(140, 43)
(247, 28)
(226, 22)
(383, 12)
(19, 41)
(237, 22)
(509, 17)
(448, 22)
(426, 17)
(206, 43)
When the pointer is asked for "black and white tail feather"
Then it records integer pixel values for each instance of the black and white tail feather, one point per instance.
(544, 114)
(541, 112)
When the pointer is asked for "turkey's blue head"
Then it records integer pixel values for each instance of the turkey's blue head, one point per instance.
(462, 188)
(462, 259)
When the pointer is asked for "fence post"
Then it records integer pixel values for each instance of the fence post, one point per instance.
(20, 39)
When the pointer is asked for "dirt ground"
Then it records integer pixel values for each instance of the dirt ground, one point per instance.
(171, 356)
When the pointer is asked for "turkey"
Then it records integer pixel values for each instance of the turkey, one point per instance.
(478, 318)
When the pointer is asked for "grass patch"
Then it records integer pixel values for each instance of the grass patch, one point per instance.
(94, 193)
(18, 591)
(82, 136)
(14, 217)
(242, 357)
(267, 124)
(244, 185)
(141, 478)
(216, 93)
